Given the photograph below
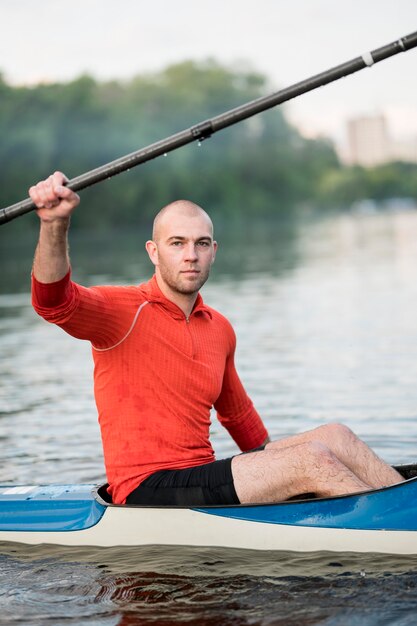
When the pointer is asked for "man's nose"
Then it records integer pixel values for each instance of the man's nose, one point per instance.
(191, 252)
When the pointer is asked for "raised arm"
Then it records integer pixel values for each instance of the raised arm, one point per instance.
(91, 313)
(55, 204)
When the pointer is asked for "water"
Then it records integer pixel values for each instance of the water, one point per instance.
(325, 313)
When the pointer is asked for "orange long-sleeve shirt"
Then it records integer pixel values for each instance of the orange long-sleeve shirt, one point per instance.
(156, 376)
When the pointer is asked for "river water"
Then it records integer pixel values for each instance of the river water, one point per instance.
(325, 312)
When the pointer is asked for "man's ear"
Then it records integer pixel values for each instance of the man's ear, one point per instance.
(215, 246)
(152, 250)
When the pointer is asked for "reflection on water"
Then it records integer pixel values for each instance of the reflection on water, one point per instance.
(205, 587)
(325, 313)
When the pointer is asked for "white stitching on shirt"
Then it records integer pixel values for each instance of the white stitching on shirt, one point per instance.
(128, 332)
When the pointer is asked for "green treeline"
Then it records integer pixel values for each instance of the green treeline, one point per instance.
(341, 187)
(260, 167)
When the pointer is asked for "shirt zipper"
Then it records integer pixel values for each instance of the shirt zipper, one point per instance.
(187, 321)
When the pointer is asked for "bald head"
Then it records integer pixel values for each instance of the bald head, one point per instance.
(175, 211)
(182, 250)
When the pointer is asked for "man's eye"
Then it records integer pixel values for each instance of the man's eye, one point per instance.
(205, 244)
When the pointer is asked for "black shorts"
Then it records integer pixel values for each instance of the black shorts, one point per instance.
(202, 485)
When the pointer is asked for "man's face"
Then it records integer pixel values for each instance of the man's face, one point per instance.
(183, 251)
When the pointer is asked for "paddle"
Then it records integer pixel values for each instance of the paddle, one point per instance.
(209, 127)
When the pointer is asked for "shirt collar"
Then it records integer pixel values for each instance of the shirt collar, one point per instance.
(153, 293)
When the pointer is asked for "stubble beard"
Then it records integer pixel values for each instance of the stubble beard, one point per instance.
(180, 284)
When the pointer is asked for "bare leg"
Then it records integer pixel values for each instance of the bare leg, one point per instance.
(351, 452)
(274, 475)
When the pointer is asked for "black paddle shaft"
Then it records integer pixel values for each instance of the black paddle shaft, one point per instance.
(209, 127)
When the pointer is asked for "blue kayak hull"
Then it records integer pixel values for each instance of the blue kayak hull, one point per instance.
(383, 520)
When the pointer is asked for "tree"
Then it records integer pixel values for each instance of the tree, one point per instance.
(260, 167)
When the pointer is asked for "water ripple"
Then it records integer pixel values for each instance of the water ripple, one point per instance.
(326, 325)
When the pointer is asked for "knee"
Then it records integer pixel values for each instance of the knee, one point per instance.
(337, 433)
(316, 453)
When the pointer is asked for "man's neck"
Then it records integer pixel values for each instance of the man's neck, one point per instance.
(184, 301)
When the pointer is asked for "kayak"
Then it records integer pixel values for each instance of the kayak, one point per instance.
(377, 521)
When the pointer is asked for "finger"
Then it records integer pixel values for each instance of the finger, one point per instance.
(46, 194)
(58, 179)
(62, 191)
(34, 195)
(50, 191)
(65, 193)
(42, 198)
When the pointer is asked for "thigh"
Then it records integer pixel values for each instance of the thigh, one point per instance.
(271, 475)
(208, 484)
(279, 474)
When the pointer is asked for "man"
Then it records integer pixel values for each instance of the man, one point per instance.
(163, 359)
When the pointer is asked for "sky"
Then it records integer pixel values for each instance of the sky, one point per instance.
(287, 40)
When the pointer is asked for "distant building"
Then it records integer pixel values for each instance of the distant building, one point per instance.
(368, 140)
(370, 143)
